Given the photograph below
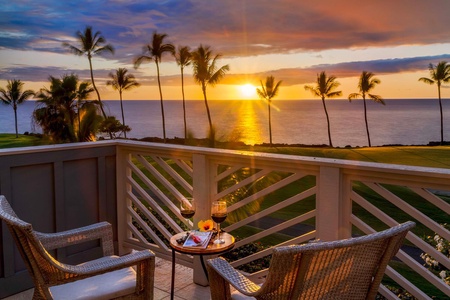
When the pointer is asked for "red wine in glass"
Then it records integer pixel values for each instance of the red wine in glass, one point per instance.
(187, 213)
(187, 208)
(219, 214)
(219, 218)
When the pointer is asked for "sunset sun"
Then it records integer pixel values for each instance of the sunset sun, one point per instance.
(248, 90)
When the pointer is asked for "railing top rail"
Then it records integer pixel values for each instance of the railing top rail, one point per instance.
(221, 154)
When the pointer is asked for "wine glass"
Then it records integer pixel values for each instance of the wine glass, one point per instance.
(187, 208)
(219, 214)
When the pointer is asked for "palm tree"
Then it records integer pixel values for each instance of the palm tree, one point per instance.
(63, 112)
(89, 45)
(366, 83)
(267, 92)
(439, 74)
(183, 58)
(154, 51)
(207, 73)
(122, 81)
(13, 95)
(324, 89)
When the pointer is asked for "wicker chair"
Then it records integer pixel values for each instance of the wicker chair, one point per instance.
(109, 277)
(344, 269)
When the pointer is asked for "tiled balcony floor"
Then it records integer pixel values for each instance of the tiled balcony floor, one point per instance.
(184, 287)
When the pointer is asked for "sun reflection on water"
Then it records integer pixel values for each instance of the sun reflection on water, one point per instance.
(248, 122)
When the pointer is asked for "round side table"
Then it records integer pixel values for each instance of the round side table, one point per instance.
(211, 249)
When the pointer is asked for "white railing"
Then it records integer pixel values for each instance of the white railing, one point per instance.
(279, 199)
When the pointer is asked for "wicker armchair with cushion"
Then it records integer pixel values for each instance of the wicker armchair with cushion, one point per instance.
(110, 277)
(343, 269)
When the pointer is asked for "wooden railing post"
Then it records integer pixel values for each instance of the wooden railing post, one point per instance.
(329, 204)
(123, 217)
(203, 188)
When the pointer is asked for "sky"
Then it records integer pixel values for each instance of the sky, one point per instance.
(293, 40)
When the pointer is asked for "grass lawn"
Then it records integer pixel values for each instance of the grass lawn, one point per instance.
(425, 156)
(8, 140)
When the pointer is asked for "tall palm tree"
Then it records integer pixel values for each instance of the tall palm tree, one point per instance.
(13, 95)
(324, 89)
(438, 74)
(366, 83)
(206, 72)
(267, 92)
(154, 51)
(91, 44)
(122, 81)
(183, 58)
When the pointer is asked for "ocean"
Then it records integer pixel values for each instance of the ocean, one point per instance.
(406, 122)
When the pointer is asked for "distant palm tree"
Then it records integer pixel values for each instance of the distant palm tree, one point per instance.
(89, 45)
(439, 74)
(122, 81)
(267, 92)
(154, 51)
(365, 85)
(13, 95)
(207, 73)
(324, 89)
(183, 58)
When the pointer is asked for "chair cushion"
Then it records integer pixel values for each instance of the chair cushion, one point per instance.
(105, 286)
(238, 296)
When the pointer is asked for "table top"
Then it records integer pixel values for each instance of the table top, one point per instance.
(211, 249)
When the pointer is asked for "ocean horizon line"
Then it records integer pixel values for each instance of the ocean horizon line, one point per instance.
(400, 121)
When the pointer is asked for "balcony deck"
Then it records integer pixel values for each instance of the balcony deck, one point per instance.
(184, 286)
(137, 187)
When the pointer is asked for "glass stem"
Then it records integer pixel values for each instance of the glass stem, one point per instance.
(218, 231)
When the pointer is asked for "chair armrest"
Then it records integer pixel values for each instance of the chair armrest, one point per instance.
(234, 277)
(102, 231)
(110, 263)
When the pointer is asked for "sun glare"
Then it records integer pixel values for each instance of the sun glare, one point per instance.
(248, 90)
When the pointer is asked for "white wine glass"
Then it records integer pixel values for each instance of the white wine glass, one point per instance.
(187, 208)
(219, 214)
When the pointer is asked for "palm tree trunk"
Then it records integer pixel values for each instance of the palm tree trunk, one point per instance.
(15, 119)
(270, 124)
(95, 87)
(442, 116)
(98, 94)
(162, 103)
(328, 121)
(211, 130)
(184, 105)
(365, 119)
(123, 116)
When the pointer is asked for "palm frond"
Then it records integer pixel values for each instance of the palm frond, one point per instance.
(353, 96)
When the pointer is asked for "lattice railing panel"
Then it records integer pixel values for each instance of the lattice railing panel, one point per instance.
(376, 203)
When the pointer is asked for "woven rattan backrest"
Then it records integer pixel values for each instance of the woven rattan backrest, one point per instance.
(34, 255)
(345, 269)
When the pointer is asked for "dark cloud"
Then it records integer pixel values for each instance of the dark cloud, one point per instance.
(37, 74)
(233, 27)
(291, 76)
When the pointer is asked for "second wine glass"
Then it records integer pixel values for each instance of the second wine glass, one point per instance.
(219, 214)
